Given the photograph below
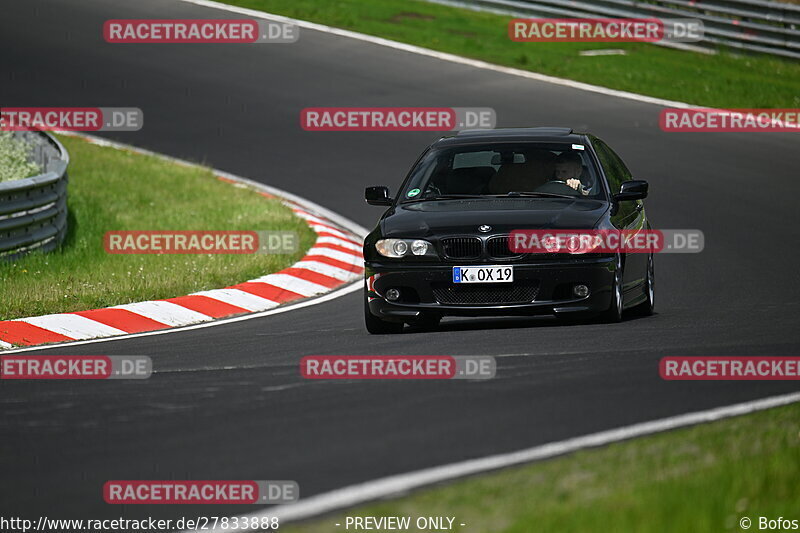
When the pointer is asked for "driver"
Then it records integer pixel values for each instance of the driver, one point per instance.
(569, 168)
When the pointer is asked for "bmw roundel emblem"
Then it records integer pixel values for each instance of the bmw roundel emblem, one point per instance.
(485, 228)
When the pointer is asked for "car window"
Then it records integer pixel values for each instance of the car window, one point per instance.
(613, 166)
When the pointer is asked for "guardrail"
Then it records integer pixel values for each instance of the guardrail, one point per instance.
(753, 25)
(33, 211)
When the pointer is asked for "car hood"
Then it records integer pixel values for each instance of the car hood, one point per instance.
(504, 215)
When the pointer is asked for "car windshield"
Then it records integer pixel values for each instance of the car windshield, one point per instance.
(504, 170)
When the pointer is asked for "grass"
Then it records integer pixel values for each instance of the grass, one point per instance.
(112, 189)
(703, 479)
(722, 80)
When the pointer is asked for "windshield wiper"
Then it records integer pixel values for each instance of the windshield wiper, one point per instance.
(446, 197)
(532, 194)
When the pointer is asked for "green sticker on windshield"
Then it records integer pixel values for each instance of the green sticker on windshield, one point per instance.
(412, 192)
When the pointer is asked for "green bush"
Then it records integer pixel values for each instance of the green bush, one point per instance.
(15, 160)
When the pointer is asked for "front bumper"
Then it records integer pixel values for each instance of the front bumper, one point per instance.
(429, 289)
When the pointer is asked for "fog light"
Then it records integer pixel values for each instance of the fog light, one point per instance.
(392, 295)
(581, 291)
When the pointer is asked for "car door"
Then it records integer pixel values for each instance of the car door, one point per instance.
(629, 214)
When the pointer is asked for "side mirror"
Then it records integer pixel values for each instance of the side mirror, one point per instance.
(378, 195)
(632, 190)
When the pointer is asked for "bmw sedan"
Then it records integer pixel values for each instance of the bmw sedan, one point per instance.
(442, 248)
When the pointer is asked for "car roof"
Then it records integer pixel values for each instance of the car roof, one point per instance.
(546, 134)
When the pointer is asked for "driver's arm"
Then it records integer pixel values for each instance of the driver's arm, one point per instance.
(578, 186)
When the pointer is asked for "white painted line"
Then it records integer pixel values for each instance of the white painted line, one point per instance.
(293, 283)
(386, 487)
(73, 326)
(326, 269)
(609, 52)
(338, 255)
(239, 298)
(165, 312)
(353, 240)
(309, 217)
(336, 233)
(345, 290)
(340, 242)
(452, 58)
(320, 229)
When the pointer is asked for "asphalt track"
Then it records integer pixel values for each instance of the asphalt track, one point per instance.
(227, 402)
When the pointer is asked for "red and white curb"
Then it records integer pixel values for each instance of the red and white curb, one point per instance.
(334, 260)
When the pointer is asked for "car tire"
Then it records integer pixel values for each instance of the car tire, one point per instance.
(614, 312)
(646, 308)
(376, 326)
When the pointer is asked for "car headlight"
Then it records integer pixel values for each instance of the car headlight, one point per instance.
(420, 247)
(572, 243)
(404, 247)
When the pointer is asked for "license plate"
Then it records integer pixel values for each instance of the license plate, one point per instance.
(483, 274)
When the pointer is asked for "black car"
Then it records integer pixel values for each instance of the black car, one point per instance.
(460, 203)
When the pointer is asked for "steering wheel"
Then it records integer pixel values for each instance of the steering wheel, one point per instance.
(556, 187)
